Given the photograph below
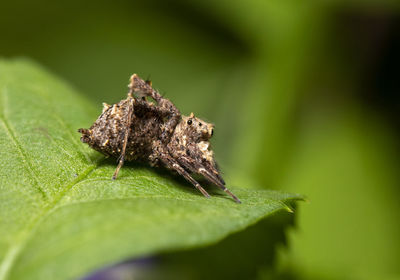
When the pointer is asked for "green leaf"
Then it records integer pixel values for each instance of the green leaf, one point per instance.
(61, 215)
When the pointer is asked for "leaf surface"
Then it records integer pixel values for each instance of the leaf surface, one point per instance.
(61, 215)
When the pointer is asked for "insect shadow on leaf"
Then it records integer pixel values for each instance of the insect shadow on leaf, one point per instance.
(136, 129)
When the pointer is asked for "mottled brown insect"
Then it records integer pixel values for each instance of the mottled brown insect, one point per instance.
(136, 129)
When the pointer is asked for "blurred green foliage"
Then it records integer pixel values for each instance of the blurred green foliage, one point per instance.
(303, 95)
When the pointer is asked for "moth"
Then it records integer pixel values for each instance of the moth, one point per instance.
(149, 128)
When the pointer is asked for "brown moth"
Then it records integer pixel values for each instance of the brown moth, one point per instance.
(136, 129)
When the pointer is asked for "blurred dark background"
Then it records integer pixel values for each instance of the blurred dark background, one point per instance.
(304, 96)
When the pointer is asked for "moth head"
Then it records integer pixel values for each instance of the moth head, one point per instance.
(196, 129)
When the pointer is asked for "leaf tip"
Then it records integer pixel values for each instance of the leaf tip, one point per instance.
(288, 208)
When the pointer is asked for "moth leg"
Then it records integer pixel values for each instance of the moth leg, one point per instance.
(209, 175)
(218, 173)
(171, 163)
(214, 179)
(126, 137)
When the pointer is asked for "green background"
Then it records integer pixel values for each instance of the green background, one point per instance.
(304, 97)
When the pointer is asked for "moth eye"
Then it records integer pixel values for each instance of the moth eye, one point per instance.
(212, 132)
(200, 124)
(189, 122)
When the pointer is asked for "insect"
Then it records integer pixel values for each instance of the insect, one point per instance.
(137, 129)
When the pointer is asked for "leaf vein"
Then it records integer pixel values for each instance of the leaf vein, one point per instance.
(19, 147)
(14, 251)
